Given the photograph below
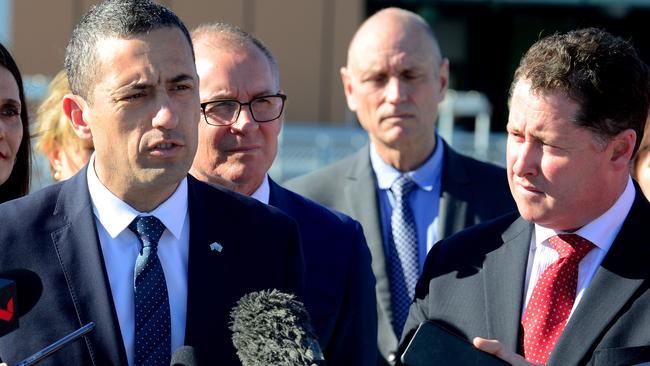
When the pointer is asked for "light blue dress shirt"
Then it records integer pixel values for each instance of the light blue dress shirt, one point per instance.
(424, 200)
(120, 248)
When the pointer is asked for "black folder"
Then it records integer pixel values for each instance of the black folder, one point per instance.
(432, 344)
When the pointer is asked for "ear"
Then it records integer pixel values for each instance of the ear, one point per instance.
(54, 156)
(73, 107)
(622, 146)
(444, 76)
(348, 88)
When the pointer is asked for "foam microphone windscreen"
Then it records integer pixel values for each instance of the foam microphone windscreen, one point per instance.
(272, 328)
(184, 356)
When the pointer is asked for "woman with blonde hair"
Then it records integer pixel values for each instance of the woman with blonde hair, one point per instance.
(56, 139)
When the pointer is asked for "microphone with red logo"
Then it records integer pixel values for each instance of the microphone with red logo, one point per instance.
(20, 290)
(8, 316)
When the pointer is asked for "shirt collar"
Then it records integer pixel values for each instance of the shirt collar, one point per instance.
(263, 192)
(426, 176)
(603, 230)
(115, 215)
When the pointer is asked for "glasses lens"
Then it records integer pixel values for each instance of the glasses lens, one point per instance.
(267, 108)
(221, 112)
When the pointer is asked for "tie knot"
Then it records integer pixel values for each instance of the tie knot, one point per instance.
(403, 186)
(148, 229)
(571, 246)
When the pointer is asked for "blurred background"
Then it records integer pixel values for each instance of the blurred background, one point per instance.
(483, 39)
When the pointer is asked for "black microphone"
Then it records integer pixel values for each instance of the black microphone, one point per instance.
(272, 328)
(20, 290)
(8, 316)
(184, 356)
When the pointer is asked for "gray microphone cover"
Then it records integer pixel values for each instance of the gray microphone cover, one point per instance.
(272, 328)
(184, 356)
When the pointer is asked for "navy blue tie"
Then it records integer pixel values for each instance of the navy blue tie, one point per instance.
(152, 319)
(403, 253)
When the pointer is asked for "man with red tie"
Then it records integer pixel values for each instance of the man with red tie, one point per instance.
(564, 282)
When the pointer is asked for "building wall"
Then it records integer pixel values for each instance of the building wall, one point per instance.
(309, 39)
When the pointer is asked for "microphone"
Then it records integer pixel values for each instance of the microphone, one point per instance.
(272, 328)
(184, 356)
(8, 316)
(45, 352)
(20, 290)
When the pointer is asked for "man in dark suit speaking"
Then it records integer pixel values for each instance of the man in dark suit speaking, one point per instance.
(154, 257)
(564, 282)
(242, 116)
(408, 189)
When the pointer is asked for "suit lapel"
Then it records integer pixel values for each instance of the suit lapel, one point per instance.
(360, 189)
(360, 182)
(505, 272)
(277, 197)
(77, 244)
(623, 270)
(452, 210)
(360, 192)
(207, 280)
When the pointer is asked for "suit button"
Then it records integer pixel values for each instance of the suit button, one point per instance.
(392, 357)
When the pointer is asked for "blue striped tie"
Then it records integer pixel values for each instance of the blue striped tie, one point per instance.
(152, 319)
(403, 253)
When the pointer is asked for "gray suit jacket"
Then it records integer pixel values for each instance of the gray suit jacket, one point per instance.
(474, 283)
(472, 191)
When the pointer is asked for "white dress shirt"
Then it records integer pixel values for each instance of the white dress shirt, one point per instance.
(601, 232)
(120, 248)
(263, 192)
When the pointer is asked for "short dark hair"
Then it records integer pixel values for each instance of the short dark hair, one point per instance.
(240, 37)
(17, 184)
(602, 73)
(111, 18)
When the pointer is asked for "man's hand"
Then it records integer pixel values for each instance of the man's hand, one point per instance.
(496, 348)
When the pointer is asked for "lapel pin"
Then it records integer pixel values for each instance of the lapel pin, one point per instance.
(216, 247)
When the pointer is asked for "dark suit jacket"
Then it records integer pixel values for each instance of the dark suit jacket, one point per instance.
(474, 282)
(53, 234)
(339, 284)
(472, 191)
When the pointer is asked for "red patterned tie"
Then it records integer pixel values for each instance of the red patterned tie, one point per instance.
(553, 296)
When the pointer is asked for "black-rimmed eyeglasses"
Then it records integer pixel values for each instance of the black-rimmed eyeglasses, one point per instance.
(224, 112)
